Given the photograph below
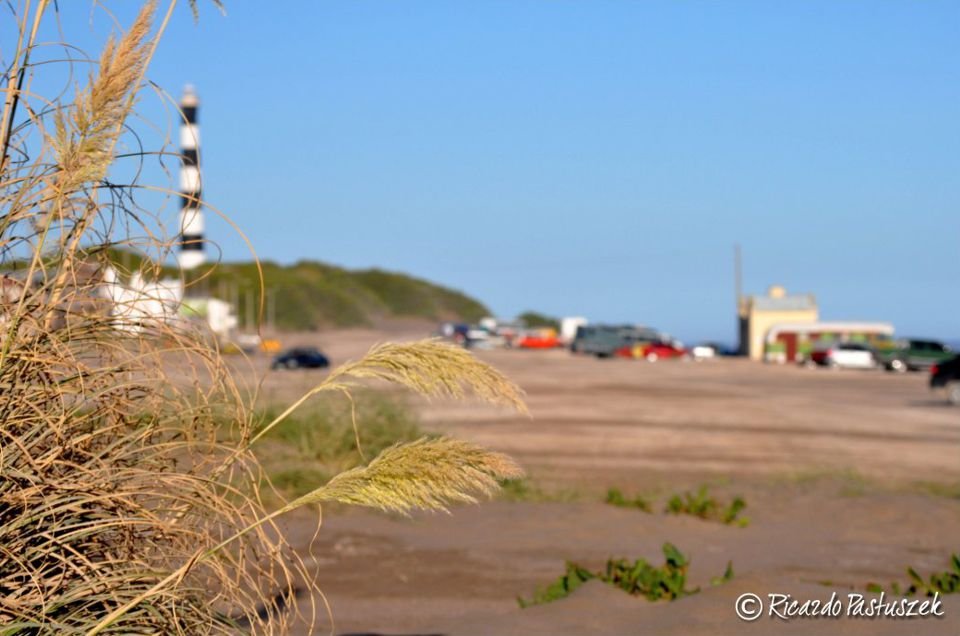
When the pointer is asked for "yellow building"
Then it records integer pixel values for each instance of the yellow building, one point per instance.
(759, 313)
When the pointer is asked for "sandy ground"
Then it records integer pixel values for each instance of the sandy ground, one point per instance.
(849, 477)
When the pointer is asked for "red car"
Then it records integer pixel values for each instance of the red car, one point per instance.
(652, 351)
(537, 339)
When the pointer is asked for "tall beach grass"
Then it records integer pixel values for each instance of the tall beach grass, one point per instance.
(130, 492)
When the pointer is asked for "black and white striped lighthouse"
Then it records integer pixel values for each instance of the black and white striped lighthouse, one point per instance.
(192, 254)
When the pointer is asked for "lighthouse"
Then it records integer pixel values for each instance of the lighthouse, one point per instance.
(192, 253)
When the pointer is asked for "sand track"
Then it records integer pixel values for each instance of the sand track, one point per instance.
(837, 468)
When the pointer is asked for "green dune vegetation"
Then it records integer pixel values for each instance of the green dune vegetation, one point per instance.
(310, 294)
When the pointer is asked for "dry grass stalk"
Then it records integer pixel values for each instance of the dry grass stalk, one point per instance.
(86, 133)
(427, 474)
(433, 369)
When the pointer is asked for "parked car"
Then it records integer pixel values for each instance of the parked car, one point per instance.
(301, 358)
(848, 355)
(946, 375)
(658, 350)
(471, 336)
(706, 351)
(543, 338)
(604, 341)
(912, 355)
(598, 340)
(653, 351)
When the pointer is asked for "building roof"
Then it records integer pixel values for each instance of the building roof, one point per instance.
(783, 303)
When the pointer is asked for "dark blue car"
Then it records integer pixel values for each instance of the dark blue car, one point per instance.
(301, 358)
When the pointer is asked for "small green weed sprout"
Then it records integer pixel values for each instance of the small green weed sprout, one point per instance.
(701, 504)
(727, 575)
(574, 577)
(529, 490)
(616, 498)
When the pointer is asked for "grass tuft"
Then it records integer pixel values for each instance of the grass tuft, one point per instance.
(130, 493)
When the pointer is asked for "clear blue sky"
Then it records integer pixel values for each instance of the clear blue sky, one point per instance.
(594, 158)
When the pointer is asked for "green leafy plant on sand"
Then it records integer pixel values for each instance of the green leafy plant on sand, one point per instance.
(130, 492)
(947, 582)
(616, 498)
(701, 504)
(639, 578)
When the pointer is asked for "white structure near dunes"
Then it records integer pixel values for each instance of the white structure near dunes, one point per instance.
(217, 314)
(569, 327)
(138, 304)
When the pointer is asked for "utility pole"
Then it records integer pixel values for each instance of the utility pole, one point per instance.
(271, 311)
(738, 292)
(234, 298)
(738, 275)
(251, 296)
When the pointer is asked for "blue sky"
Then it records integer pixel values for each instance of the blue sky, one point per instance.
(594, 158)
